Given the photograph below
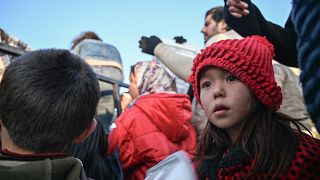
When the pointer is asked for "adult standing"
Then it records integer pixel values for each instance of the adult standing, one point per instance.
(216, 29)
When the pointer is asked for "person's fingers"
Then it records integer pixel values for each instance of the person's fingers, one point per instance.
(238, 8)
(246, 12)
(233, 9)
(142, 43)
(236, 15)
(236, 12)
(237, 4)
(142, 46)
(244, 5)
(142, 39)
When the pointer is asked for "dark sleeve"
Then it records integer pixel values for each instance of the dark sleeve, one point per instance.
(283, 39)
(306, 18)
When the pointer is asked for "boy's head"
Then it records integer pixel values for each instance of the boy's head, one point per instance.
(249, 59)
(48, 98)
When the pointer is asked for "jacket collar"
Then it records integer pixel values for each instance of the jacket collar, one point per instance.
(12, 155)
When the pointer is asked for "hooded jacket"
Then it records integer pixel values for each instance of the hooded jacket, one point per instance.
(45, 167)
(155, 126)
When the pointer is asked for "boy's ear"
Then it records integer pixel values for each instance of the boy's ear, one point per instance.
(86, 133)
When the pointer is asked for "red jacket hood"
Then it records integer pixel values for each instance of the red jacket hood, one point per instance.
(169, 112)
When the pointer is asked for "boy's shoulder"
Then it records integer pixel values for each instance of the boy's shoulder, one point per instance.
(56, 166)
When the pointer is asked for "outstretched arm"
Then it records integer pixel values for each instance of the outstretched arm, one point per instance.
(178, 63)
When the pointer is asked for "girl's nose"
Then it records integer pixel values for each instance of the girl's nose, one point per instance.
(219, 90)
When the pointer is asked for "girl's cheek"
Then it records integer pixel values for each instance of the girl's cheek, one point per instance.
(133, 90)
(203, 94)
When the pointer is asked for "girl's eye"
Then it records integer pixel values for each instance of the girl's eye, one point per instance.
(205, 84)
(232, 78)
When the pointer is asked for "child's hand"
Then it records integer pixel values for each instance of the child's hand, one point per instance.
(237, 8)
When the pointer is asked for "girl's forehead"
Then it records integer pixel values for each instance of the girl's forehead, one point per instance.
(212, 71)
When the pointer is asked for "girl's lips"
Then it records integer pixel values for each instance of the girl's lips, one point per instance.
(220, 110)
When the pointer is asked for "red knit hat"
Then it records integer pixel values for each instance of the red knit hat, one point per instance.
(250, 59)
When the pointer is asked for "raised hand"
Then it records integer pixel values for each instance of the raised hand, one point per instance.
(237, 8)
(147, 45)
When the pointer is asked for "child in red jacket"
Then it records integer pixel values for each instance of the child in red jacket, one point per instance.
(245, 136)
(156, 124)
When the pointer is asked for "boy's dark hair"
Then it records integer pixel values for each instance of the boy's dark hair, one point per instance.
(83, 36)
(47, 98)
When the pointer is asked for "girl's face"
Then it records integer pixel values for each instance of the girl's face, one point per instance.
(133, 87)
(226, 101)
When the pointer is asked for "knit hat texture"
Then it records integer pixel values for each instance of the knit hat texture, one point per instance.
(250, 59)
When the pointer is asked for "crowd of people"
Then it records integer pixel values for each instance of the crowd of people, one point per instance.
(251, 109)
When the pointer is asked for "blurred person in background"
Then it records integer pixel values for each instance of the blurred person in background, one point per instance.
(6, 59)
(105, 60)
